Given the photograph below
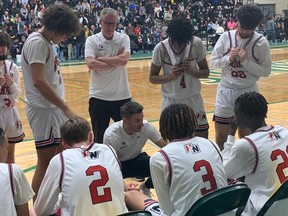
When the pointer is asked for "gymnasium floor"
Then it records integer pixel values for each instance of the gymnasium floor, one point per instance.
(77, 78)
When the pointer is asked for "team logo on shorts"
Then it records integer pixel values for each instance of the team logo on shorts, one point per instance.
(201, 115)
(18, 125)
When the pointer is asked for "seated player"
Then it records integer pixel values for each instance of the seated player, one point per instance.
(16, 190)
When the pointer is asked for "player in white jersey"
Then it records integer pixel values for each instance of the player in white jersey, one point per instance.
(243, 56)
(87, 175)
(44, 87)
(261, 157)
(16, 190)
(182, 57)
(128, 137)
(107, 54)
(10, 91)
(188, 167)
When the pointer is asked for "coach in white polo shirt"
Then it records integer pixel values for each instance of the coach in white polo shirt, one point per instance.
(128, 137)
(107, 54)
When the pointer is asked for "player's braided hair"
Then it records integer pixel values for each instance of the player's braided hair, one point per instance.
(253, 105)
(180, 30)
(177, 121)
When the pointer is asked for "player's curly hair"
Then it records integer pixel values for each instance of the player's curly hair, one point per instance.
(75, 130)
(61, 19)
(253, 105)
(180, 30)
(177, 121)
(5, 40)
(130, 108)
(249, 16)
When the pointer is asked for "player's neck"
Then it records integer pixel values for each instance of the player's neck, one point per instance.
(255, 127)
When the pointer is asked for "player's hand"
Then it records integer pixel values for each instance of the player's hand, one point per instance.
(8, 79)
(186, 65)
(233, 125)
(242, 55)
(177, 70)
(2, 80)
(129, 187)
(234, 52)
(69, 113)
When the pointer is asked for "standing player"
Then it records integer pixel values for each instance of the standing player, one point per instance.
(128, 137)
(261, 156)
(88, 176)
(107, 54)
(15, 190)
(244, 57)
(183, 59)
(44, 87)
(188, 167)
(9, 94)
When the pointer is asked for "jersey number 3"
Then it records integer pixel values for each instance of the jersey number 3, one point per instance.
(209, 177)
(95, 184)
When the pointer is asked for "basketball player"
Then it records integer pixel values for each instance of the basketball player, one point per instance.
(15, 190)
(107, 54)
(261, 156)
(188, 167)
(44, 87)
(243, 55)
(10, 91)
(128, 137)
(182, 57)
(88, 176)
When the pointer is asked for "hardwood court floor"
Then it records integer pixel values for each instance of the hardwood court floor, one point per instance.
(77, 78)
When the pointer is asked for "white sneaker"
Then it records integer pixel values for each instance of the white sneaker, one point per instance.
(145, 190)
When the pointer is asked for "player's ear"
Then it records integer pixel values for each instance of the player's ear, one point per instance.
(90, 137)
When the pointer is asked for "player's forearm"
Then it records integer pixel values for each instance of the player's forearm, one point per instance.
(199, 73)
(219, 62)
(261, 70)
(15, 90)
(161, 79)
(116, 61)
(99, 66)
(49, 94)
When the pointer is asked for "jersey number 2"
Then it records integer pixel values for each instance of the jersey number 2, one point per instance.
(209, 177)
(95, 184)
(280, 166)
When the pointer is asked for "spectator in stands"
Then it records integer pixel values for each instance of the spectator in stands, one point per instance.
(270, 29)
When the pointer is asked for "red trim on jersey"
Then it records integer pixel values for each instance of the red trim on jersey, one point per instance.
(230, 39)
(254, 46)
(62, 170)
(165, 155)
(115, 155)
(217, 150)
(10, 168)
(256, 152)
(149, 202)
(271, 128)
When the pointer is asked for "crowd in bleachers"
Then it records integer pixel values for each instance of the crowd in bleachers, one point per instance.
(144, 21)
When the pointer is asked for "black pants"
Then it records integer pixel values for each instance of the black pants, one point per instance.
(100, 113)
(139, 167)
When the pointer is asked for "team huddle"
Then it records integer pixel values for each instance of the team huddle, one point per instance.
(82, 170)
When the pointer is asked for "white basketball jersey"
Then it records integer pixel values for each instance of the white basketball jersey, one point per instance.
(270, 146)
(15, 189)
(185, 170)
(91, 183)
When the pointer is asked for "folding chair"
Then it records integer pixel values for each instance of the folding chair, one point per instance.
(136, 213)
(277, 204)
(221, 201)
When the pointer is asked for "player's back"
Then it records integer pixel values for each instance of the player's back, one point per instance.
(7, 206)
(196, 169)
(92, 182)
(270, 144)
